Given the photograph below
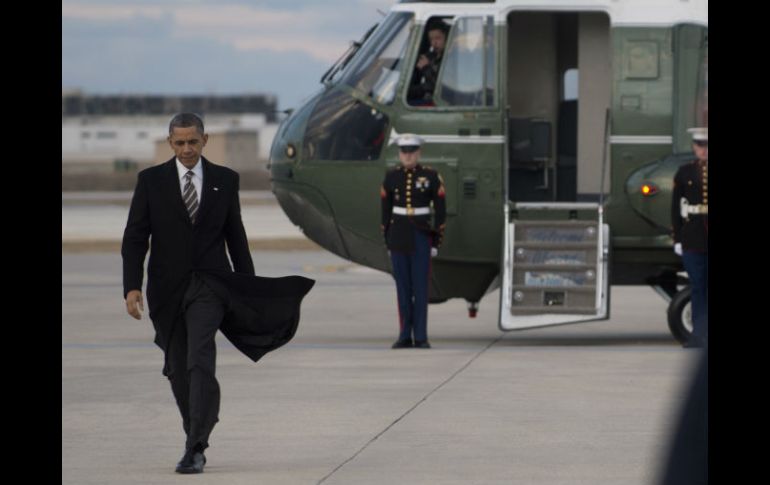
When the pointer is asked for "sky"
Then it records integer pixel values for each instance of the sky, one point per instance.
(277, 47)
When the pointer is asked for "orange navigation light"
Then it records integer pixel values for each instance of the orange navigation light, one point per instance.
(649, 189)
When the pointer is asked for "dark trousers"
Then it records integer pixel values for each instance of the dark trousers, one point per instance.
(697, 266)
(411, 272)
(191, 363)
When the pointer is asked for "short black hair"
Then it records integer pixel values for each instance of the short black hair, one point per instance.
(440, 25)
(185, 120)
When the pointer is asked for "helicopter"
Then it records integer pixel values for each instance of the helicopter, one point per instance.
(557, 127)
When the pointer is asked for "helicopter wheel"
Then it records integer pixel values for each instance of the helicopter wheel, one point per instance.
(680, 315)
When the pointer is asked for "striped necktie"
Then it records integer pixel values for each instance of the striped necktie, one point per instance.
(190, 197)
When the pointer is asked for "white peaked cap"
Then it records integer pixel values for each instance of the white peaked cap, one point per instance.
(699, 134)
(409, 139)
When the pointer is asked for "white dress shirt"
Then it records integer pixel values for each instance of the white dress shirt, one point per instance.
(197, 179)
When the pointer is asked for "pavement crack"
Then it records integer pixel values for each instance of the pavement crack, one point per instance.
(409, 411)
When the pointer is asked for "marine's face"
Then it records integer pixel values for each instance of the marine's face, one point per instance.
(187, 144)
(409, 158)
(701, 150)
(437, 40)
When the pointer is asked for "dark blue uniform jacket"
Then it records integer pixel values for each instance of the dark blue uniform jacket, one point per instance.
(414, 188)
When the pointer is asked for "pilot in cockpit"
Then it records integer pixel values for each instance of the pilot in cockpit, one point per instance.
(427, 66)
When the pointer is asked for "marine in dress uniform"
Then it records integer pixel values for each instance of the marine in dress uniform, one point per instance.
(690, 220)
(407, 193)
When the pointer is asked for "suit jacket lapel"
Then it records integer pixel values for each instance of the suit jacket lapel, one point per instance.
(210, 190)
(174, 190)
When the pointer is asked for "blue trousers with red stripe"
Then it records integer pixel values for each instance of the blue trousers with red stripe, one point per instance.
(412, 272)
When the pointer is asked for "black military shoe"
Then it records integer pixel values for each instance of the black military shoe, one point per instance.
(421, 344)
(402, 344)
(191, 462)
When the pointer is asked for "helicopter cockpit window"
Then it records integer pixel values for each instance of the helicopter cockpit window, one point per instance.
(422, 87)
(376, 68)
(468, 75)
(343, 128)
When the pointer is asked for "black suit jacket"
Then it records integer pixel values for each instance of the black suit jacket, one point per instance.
(263, 313)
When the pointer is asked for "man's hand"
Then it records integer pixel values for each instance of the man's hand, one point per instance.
(422, 61)
(134, 304)
(678, 249)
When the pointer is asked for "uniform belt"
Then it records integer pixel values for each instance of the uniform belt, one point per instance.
(698, 209)
(411, 211)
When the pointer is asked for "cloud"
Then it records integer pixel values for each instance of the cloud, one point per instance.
(157, 63)
(318, 30)
(101, 13)
(204, 47)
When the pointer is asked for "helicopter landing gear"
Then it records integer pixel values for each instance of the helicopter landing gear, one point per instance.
(473, 309)
(680, 315)
(675, 289)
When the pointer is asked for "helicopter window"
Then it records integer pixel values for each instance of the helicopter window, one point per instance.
(426, 68)
(376, 68)
(343, 128)
(468, 77)
(338, 68)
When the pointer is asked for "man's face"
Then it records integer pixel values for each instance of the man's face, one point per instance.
(437, 40)
(408, 159)
(701, 150)
(187, 144)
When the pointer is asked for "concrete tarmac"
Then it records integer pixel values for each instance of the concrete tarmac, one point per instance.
(584, 404)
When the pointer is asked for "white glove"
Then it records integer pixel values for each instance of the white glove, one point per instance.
(678, 249)
(433, 252)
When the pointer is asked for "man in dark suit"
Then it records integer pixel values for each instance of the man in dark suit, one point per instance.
(407, 194)
(690, 221)
(187, 210)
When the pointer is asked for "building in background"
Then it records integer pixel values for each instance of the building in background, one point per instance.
(232, 147)
(124, 133)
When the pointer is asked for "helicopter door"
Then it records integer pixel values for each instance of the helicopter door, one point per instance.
(556, 245)
(558, 84)
(555, 265)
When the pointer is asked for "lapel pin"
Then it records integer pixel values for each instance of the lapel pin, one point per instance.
(216, 188)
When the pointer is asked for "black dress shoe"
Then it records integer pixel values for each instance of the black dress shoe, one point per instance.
(421, 344)
(191, 462)
(402, 344)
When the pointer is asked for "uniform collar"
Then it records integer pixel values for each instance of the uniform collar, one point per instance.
(413, 169)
